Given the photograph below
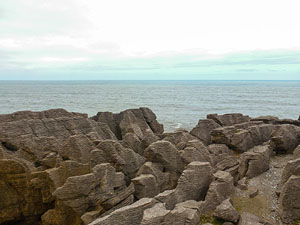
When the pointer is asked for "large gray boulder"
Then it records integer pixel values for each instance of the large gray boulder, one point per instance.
(289, 199)
(136, 121)
(123, 159)
(187, 212)
(203, 130)
(179, 138)
(292, 168)
(285, 138)
(155, 215)
(225, 211)
(145, 185)
(218, 152)
(242, 137)
(195, 151)
(229, 119)
(220, 189)
(194, 182)
(132, 214)
(255, 161)
(166, 154)
(249, 219)
(156, 169)
(296, 152)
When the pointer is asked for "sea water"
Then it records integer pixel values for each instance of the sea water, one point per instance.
(177, 104)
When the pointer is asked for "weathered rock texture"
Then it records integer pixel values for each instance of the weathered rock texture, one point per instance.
(59, 167)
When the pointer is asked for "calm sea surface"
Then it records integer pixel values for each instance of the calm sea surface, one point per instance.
(176, 103)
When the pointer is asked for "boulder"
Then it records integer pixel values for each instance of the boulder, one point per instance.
(220, 189)
(145, 185)
(195, 151)
(255, 162)
(249, 219)
(151, 120)
(229, 164)
(166, 154)
(136, 121)
(242, 139)
(229, 119)
(187, 212)
(289, 199)
(123, 159)
(218, 152)
(156, 169)
(29, 115)
(285, 138)
(203, 130)
(194, 182)
(296, 152)
(25, 196)
(179, 138)
(292, 168)
(130, 140)
(168, 197)
(155, 215)
(225, 211)
(132, 214)
(266, 119)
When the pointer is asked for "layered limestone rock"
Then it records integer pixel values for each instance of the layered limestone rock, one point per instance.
(242, 137)
(58, 167)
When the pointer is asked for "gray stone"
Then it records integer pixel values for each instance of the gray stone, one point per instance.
(166, 154)
(285, 138)
(255, 162)
(203, 130)
(145, 185)
(156, 170)
(253, 192)
(168, 197)
(194, 181)
(184, 213)
(132, 214)
(225, 211)
(220, 189)
(296, 152)
(249, 219)
(155, 215)
(229, 119)
(289, 199)
(289, 170)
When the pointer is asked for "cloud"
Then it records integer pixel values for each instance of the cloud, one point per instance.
(155, 37)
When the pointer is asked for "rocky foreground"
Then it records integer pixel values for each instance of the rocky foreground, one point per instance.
(63, 168)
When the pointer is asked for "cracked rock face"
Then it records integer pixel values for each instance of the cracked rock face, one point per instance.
(59, 167)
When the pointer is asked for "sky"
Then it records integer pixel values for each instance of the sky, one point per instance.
(149, 40)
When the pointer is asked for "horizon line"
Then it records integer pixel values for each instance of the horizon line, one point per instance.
(143, 80)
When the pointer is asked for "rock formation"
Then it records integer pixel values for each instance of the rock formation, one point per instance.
(59, 167)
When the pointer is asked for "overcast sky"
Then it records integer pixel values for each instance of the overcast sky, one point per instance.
(142, 39)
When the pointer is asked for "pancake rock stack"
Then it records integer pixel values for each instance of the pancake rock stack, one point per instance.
(58, 167)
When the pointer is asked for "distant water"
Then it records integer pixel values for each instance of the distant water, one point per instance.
(177, 104)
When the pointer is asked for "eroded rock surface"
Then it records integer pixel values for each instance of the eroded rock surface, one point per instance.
(59, 167)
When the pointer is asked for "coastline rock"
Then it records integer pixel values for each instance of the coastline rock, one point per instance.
(220, 189)
(225, 211)
(145, 186)
(132, 214)
(194, 182)
(255, 162)
(285, 138)
(229, 119)
(203, 130)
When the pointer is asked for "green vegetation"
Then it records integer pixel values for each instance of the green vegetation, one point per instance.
(296, 222)
(209, 219)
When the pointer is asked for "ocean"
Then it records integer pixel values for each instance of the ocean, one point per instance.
(177, 104)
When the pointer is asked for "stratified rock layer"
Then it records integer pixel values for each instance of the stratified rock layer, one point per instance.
(59, 167)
